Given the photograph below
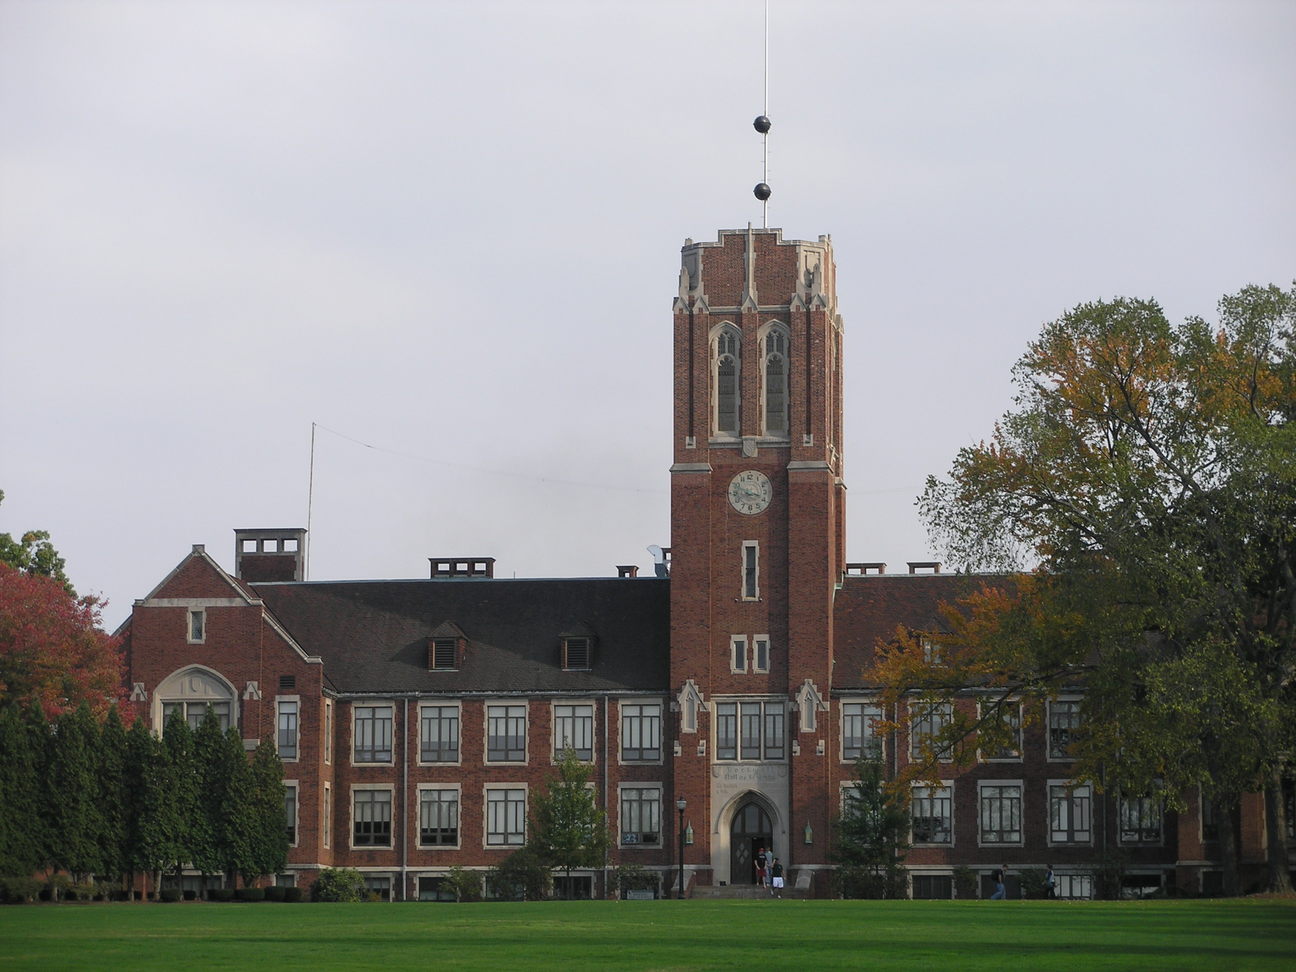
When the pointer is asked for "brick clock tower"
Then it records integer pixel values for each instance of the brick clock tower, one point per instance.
(757, 548)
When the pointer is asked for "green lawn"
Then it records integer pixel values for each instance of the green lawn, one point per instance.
(782, 935)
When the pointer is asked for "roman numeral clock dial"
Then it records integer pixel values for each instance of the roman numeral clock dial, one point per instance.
(750, 492)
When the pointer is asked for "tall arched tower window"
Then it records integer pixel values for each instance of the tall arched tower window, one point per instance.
(726, 346)
(775, 386)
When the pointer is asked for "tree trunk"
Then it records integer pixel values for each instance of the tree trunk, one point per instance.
(1276, 833)
(1226, 813)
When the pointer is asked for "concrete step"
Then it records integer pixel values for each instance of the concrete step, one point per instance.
(741, 892)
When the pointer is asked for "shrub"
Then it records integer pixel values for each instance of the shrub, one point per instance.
(635, 877)
(339, 884)
(190, 894)
(466, 885)
(274, 893)
(81, 892)
(19, 890)
(220, 894)
(169, 895)
(1109, 877)
(250, 894)
(521, 876)
(292, 895)
(1032, 883)
(965, 882)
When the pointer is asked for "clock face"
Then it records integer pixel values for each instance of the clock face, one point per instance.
(750, 492)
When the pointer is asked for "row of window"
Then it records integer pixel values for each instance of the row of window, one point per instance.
(726, 381)
(506, 731)
(927, 721)
(1000, 814)
(504, 815)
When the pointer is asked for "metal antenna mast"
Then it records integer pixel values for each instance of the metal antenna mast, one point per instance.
(762, 125)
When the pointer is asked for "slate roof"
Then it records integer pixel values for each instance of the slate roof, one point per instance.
(870, 608)
(373, 635)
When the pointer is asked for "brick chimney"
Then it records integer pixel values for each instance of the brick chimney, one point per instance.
(270, 555)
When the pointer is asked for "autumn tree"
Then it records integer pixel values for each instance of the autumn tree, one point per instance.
(1147, 475)
(568, 828)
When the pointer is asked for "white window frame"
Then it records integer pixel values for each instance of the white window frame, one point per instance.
(750, 567)
(280, 702)
(555, 746)
(390, 790)
(296, 823)
(867, 734)
(623, 829)
(508, 843)
(508, 716)
(761, 653)
(945, 710)
(644, 720)
(738, 654)
(943, 792)
(458, 811)
(982, 786)
(458, 710)
(1015, 753)
(391, 742)
(1083, 791)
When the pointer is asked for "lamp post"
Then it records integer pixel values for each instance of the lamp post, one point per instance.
(681, 804)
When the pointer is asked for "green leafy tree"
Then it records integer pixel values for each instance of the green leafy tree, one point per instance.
(339, 884)
(32, 553)
(72, 795)
(24, 746)
(237, 825)
(185, 824)
(871, 837)
(568, 828)
(266, 813)
(113, 796)
(149, 800)
(214, 770)
(525, 875)
(1147, 473)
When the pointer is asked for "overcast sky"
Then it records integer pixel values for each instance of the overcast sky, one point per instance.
(449, 233)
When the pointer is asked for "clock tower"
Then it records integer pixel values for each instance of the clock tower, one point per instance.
(757, 547)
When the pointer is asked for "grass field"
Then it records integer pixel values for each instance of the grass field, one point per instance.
(765, 935)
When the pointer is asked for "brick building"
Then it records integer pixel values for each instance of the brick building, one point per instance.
(415, 717)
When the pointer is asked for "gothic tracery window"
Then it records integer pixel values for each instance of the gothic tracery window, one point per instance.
(726, 370)
(776, 382)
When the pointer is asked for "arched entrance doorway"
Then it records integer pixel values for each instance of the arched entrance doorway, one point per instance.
(750, 829)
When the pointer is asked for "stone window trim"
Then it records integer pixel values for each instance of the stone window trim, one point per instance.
(506, 717)
(1001, 809)
(196, 626)
(441, 710)
(761, 654)
(1063, 719)
(288, 722)
(454, 788)
(370, 739)
(860, 714)
(726, 381)
(294, 825)
(194, 687)
(374, 812)
(775, 344)
(926, 719)
(738, 654)
(328, 731)
(641, 732)
(750, 566)
(624, 789)
(1140, 821)
(326, 814)
(513, 816)
(1074, 822)
(1014, 753)
(924, 796)
(750, 729)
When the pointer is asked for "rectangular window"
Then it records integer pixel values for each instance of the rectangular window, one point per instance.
(439, 734)
(378, 886)
(197, 626)
(326, 816)
(858, 735)
(1078, 886)
(328, 732)
(438, 818)
(574, 730)
(641, 815)
(373, 734)
(505, 817)
(1001, 813)
(1140, 820)
(933, 887)
(1070, 813)
(760, 650)
(506, 733)
(1064, 721)
(1209, 822)
(371, 815)
(927, 721)
(1003, 739)
(195, 712)
(640, 732)
(738, 653)
(290, 812)
(750, 730)
(287, 731)
(932, 809)
(750, 570)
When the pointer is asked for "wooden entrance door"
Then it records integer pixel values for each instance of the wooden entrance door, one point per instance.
(751, 829)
